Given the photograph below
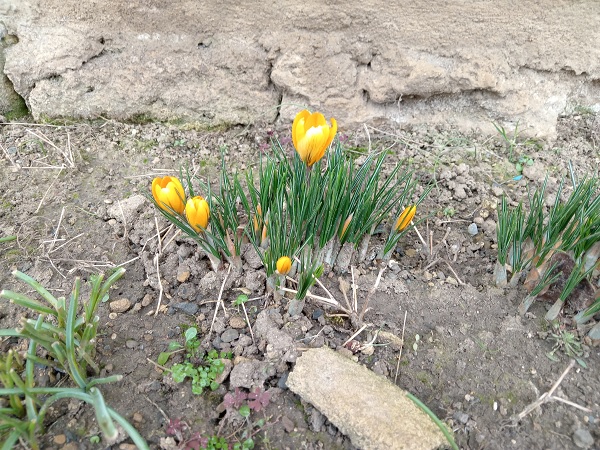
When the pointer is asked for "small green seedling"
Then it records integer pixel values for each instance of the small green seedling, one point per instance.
(522, 162)
(202, 376)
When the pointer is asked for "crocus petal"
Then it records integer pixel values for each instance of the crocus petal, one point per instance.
(172, 197)
(332, 132)
(298, 126)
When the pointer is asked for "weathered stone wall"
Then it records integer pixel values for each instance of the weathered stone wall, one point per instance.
(460, 62)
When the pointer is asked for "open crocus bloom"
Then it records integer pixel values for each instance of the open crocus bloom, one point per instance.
(168, 193)
(197, 213)
(405, 218)
(312, 135)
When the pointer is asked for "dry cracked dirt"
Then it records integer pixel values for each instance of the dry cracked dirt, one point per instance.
(72, 194)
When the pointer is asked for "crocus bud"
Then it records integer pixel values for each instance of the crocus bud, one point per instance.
(284, 264)
(197, 213)
(405, 218)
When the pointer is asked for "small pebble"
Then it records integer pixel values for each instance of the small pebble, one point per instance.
(183, 275)
(131, 343)
(583, 438)
(120, 306)
(410, 252)
(185, 307)
(60, 439)
(497, 191)
(237, 322)
(472, 229)
(460, 417)
(125, 446)
(147, 299)
(317, 313)
(282, 382)
(137, 417)
(229, 335)
(288, 424)
(452, 281)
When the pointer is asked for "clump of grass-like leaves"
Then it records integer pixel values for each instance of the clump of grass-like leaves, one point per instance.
(66, 338)
(558, 248)
(315, 202)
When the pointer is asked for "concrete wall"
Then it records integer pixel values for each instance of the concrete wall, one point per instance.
(459, 62)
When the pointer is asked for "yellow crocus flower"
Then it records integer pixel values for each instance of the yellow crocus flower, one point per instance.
(197, 213)
(168, 193)
(405, 218)
(284, 264)
(312, 135)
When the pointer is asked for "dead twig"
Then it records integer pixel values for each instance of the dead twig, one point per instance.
(219, 301)
(48, 190)
(248, 322)
(401, 347)
(455, 275)
(365, 307)
(354, 289)
(548, 397)
(160, 286)
(360, 330)
(159, 408)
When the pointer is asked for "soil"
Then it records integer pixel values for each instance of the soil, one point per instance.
(467, 353)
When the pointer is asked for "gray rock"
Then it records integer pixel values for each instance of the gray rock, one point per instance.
(288, 424)
(460, 417)
(583, 438)
(282, 382)
(316, 420)
(185, 291)
(185, 307)
(244, 340)
(472, 229)
(229, 335)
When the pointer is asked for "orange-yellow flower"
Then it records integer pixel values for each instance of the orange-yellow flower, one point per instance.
(284, 264)
(405, 218)
(264, 231)
(168, 193)
(197, 213)
(255, 217)
(346, 224)
(312, 135)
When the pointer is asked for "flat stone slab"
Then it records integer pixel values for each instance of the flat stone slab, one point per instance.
(366, 407)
